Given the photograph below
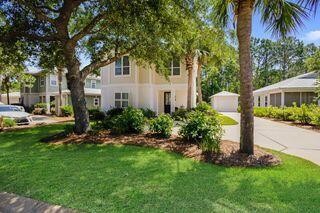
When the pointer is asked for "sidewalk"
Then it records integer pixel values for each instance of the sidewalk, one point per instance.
(10, 203)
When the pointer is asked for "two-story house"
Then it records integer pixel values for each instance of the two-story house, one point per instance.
(45, 90)
(125, 83)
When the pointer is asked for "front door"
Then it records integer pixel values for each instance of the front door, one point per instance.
(167, 102)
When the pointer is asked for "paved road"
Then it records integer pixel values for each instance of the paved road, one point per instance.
(281, 137)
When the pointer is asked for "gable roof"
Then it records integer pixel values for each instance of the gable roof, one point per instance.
(225, 93)
(307, 80)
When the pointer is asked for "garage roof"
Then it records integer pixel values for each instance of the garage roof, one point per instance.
(224, 94)
(307, 80)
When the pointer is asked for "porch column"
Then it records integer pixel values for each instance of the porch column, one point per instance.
(282, 99)
(48, 103)
(173, 100)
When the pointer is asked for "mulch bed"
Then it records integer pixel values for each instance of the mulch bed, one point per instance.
(228, 156)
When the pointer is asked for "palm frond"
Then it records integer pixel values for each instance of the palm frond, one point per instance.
(310, 4)
(281, 16)
(222, 10)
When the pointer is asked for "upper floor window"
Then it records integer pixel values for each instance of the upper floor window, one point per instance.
(42, 81)
(174, 67)
(93, 84)
(53, 80)
(122, 66)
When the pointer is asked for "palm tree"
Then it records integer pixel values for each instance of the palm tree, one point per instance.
(281, 17)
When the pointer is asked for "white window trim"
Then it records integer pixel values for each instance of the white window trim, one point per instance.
(122, 75)
(56, 79)
(171, 69)
(94, 102)
(42, 79)
(95, 83)
(121, 99)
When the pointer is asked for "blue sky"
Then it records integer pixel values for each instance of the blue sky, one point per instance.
(309, 33)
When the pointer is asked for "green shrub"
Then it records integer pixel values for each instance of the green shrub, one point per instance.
(205, 108)
(162, 125)
(204, 130)
(148, 113)
(180, 115)
(301, 114)
(39, 111)
(8, 122)
(114, 112)
(66, 110)
(40, 105)
(96, 115)
(130, 121)
(315, 117)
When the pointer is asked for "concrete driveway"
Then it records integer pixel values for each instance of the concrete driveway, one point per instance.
(281, 137)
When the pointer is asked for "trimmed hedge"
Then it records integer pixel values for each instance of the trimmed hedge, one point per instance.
(306, 114)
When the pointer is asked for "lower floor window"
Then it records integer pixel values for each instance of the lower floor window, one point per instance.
(121, 100)
(96, 101)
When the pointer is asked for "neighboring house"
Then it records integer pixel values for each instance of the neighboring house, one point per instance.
(14, 98)
(125, 83)
(45, 90)
(300, 89)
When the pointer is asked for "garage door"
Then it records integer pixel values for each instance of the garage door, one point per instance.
(225, 104)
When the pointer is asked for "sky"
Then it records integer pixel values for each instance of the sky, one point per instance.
(309, 33)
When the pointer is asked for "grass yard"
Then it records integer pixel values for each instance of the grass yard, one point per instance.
(103, 178)
(225, 120)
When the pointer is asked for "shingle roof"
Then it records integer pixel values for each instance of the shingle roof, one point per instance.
(224, 93)
(308, 80)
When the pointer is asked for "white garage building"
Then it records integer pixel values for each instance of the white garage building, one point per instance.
(225, 101)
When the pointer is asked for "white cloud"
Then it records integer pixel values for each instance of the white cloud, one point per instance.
(312, 36)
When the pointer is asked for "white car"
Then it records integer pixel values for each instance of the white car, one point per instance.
(16, 113)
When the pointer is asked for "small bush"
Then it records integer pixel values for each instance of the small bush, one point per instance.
(130, 121)
(96, 115)
(40, 105)
(148, 113)
(204, 130)
(205, 108)
(180, 115)
(162, 125)
(66, 110)
(114, 112)
(8, 122)
(39, 111)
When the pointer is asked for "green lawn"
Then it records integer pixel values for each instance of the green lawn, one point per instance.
(225, 120)
(97, 178)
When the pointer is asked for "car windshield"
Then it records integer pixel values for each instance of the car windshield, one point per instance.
(5, 109)
(8, 109)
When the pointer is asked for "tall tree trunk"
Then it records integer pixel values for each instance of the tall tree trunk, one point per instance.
(60, 72)
(76, 87)
(244, 27)
(81, 115)
(7, 87)
(189, 58)
(199, 80)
